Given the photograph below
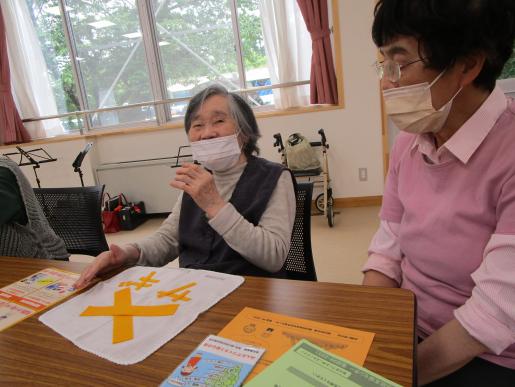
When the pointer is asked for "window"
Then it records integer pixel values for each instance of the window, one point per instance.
(200, 42)
(110, 58)
(507, 79)
(107, 54)
(197, 45)
(43, 21)
(509, 68)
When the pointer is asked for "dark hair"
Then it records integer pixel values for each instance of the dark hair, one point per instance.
(240, 111)
(448, 30)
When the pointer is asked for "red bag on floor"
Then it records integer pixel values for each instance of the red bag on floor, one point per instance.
(110, 217)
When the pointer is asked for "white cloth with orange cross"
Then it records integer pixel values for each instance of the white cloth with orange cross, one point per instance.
(131, 315)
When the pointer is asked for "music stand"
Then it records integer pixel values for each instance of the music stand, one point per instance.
(32, 157)
(78, 161)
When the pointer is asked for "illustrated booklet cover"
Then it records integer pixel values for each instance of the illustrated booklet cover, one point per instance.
(129, 316)
(33, 294)
(306, 365)
(277, 333)
(215, 362)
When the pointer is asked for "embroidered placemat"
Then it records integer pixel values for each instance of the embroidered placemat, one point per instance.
(128, 317)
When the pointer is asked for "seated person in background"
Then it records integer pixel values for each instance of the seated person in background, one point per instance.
(24, 229)
(238, 218)
(447, 230)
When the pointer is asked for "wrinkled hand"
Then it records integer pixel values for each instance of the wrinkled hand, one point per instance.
(200, 185)
(115, 257)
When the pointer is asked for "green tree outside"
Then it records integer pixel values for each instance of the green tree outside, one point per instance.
(509, 68)
(203, 26)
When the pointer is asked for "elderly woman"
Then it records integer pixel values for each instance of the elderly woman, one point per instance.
(24, 229)
(236, 211)
(447, 230)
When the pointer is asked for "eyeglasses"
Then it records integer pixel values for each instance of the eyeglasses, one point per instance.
(391, 70)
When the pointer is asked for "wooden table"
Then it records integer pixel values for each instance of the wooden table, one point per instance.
(30, 352)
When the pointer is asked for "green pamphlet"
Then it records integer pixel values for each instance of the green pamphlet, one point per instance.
(306, 364)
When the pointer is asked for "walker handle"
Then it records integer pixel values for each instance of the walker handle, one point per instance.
(324, 140)
(278, 142)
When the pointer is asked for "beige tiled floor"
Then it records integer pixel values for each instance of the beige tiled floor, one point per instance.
(339, 252)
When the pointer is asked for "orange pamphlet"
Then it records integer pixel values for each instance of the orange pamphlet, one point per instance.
(33, 294)
(277, 333)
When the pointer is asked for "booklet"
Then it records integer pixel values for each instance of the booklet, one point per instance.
(215, 362)
(277, 333)
(34, 293)
(306, 365)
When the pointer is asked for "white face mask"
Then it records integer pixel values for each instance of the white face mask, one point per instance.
(411, 108)
(217, 154)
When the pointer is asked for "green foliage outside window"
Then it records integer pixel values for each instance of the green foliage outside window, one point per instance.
(509, 68)
(102, 51)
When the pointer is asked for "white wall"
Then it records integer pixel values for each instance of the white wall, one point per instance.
(58, 173)
(354, 133)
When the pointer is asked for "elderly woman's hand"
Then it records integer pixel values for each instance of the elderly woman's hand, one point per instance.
(115, 257)
(200, 185)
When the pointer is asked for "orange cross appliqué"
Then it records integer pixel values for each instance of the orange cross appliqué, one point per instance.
(146, 282)
(173, 293)
(123, 311)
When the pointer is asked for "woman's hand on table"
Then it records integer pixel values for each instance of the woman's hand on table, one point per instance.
(115, 257)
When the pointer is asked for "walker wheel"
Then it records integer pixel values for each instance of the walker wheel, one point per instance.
(330, 213)
(319, 201)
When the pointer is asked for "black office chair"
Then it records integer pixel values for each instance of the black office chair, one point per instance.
(299, 263)
(75, 215)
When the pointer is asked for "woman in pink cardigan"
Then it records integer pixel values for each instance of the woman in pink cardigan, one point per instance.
(447, 228)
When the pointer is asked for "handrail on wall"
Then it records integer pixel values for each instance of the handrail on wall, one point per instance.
(160, 102)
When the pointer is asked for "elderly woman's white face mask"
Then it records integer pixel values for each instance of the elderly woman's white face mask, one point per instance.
(217, 154)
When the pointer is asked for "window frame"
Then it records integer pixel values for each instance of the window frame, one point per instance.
(507, 85)
(163, 118)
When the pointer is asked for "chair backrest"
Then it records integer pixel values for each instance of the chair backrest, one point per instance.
(299, 263)
(75, 214)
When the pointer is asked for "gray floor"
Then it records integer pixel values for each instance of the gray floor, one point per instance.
(339, 252)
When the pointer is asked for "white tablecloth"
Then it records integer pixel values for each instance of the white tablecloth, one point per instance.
(95, 333)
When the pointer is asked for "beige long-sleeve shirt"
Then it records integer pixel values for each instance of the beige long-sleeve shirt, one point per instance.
(265, 245)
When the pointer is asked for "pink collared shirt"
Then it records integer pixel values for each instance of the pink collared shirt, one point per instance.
(448, 227)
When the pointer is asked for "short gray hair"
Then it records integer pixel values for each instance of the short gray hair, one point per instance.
(240, 111)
